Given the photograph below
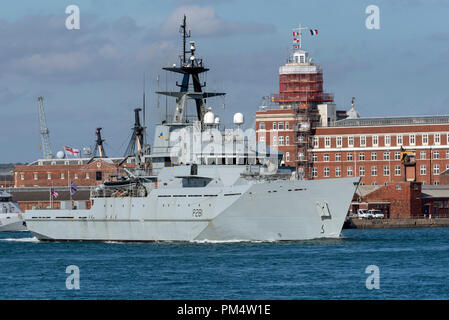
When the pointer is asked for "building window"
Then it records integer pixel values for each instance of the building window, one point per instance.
(274, 141)
(436, 138)
(362, 156)
(326, 157)
(447, 167)
(362, 141)
(399, 139)
(349, 171)
(22, 176)
(436, 154)
(374, 171)
(339, 141)
(422, 155)
(76, 175)
(423, 170)
(386, 156)
(338, 172)
(62, 175)
(362, 171)
(412, 139)
(87, 175)
(281, 126)
(301, 156)
(387, 140)
(338, 157)
(262, 138)
(315, 142)
(373, 155)
(436, 169)
(447, 154)
(314, 157)
(397, 156)
(274, 125)
(314, 172)
(327, 142)
(262, 126)
(397, 170)
(398, 187)
(99, 176)
(49, 176)
(350, 141)
(425, 139)
(349, 157)
(287, 140)
(386, 171)
(287, 125)
(287, 156)
(437, 183)
(281, 140)
(326, 172)
(375, 141)
(35, 176)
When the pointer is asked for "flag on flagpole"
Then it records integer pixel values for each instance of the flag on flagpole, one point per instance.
(54, 193)
(73, 188)
(295, 47)
(313, 32)
(296, 40)
(72, 151)
(295, 33)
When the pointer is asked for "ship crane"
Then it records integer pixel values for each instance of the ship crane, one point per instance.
(99, 145)
(45, 133)
(137, 135)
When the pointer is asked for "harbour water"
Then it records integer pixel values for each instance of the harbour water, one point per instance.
(413, 264)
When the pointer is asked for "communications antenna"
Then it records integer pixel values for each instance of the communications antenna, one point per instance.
(45, 133)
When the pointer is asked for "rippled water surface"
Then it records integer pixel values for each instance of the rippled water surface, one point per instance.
(413, 264)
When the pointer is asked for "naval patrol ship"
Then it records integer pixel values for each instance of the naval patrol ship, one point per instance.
(201, 184)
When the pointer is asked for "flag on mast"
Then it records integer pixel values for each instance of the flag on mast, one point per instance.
(313, 32)
(73, 188)
(71, 151)
(54, 193)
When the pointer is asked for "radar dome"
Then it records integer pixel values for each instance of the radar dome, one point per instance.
(209, 118)
(60, 154)
(238, 118)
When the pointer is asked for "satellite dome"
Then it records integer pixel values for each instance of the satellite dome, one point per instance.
(60, 155)
(238, 118)
(353, 114)
(209, 118)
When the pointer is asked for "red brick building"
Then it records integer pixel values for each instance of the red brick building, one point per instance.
(60, 172)
(323, 142)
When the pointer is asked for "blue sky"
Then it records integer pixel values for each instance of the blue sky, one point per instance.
(93, 76)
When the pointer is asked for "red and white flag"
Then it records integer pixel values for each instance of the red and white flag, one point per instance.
(296, 40)
(295, 33)
(313, 32)
(72, 151)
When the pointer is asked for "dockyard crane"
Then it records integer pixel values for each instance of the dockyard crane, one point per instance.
(45, 133)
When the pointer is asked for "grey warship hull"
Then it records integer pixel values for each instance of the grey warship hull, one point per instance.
(265, 211)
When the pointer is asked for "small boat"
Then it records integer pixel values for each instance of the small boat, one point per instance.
(10, 214)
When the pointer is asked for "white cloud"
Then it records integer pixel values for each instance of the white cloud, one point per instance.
(206, 22)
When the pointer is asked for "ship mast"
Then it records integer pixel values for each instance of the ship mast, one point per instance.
(191, 67)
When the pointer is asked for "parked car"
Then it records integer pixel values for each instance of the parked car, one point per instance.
(363, 214)
(376, 214)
